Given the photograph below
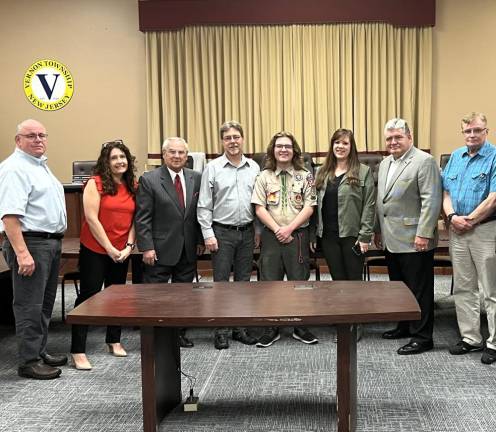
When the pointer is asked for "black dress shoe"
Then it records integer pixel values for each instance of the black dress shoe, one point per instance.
(244, 337)
(415, 348)
(39, 371)
(221, 342)
(396, 334)
(184, 342)
(54, 360)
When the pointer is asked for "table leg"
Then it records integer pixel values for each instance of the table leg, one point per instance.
(346, 392)
(160, 375)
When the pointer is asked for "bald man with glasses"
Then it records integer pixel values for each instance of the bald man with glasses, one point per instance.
(33, 219)
(469, 202)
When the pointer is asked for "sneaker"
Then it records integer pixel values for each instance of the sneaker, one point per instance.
(221, 342)
(463, 347)
(242, 335)
(303, 334)
(488, 356)
(269, 336)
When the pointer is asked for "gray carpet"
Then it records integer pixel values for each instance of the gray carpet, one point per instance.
(286, 387)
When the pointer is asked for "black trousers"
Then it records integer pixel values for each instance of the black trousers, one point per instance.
(343, 263)
(96, 270)
(183, 271)
(416, 270)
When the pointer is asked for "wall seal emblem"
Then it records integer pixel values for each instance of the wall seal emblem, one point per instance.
(48, 85)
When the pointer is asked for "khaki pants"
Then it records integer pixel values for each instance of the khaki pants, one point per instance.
(474, 262)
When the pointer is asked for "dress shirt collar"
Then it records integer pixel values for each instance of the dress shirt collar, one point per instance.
(404, 157)
(173, 174)
(483, 151)
(40, 161)
(225, 160)
(289, 170)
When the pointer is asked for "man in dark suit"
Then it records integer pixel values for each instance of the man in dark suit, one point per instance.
(408, 207)
(167, 229)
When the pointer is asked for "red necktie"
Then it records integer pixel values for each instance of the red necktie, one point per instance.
(179, 190)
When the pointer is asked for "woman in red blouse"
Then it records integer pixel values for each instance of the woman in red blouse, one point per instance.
(107, 238)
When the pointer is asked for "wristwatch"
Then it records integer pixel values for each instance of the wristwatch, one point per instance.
(450, 216)
(131, 245)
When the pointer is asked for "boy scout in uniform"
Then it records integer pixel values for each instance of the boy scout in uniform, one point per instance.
(284, 196)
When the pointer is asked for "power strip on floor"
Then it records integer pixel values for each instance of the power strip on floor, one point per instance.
(191, 404)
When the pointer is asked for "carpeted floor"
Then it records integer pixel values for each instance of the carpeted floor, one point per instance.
(286, 387)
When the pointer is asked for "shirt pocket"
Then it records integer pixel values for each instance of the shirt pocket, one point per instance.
(297, 196)
(410, 221)
(273, 194)
(449, 182)
(479, 181)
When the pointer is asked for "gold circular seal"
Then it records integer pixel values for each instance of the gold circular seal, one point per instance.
(48, 85)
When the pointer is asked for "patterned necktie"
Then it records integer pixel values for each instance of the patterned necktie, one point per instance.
(179, 190)
(284, 192)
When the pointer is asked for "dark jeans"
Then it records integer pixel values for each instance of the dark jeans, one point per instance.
(416, 270)
(34, 295)
(236, 253)
(96, 270)
(343, 263)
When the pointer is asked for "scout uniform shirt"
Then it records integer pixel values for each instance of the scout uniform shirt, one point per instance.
(284, 193)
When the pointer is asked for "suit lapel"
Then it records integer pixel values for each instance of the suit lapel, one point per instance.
(170, 189)
(381, 181)
(398, 172)
(188, 181)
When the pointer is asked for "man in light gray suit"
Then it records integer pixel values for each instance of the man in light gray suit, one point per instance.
(408, 206)
(167, 229)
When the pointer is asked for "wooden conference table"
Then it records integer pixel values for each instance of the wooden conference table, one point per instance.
(160, 309)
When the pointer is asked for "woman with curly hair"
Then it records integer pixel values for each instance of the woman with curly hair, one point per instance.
(107, 238)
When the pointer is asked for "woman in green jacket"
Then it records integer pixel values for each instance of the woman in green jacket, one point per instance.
(346, 207)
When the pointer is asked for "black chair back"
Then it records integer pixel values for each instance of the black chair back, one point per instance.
(372, 160)
(82, 170)
(444, 159)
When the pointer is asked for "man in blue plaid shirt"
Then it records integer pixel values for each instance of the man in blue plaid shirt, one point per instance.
(469, 202)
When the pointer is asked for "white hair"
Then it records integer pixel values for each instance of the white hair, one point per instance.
(168, 141)
(22, 124)
(397, 123)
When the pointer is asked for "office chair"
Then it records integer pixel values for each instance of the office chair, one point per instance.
(74, 276)
(82, 171)
(443, 160)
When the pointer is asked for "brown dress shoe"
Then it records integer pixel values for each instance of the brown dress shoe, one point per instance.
(38, 370)
(54, 360)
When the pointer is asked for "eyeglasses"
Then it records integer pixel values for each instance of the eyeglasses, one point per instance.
(228, 138)
(117, 141)
(33, 136)
(475, 131)
(284, 146)
(396, 138)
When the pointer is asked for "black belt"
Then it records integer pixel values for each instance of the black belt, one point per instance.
(45, 235)
(233, 227)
